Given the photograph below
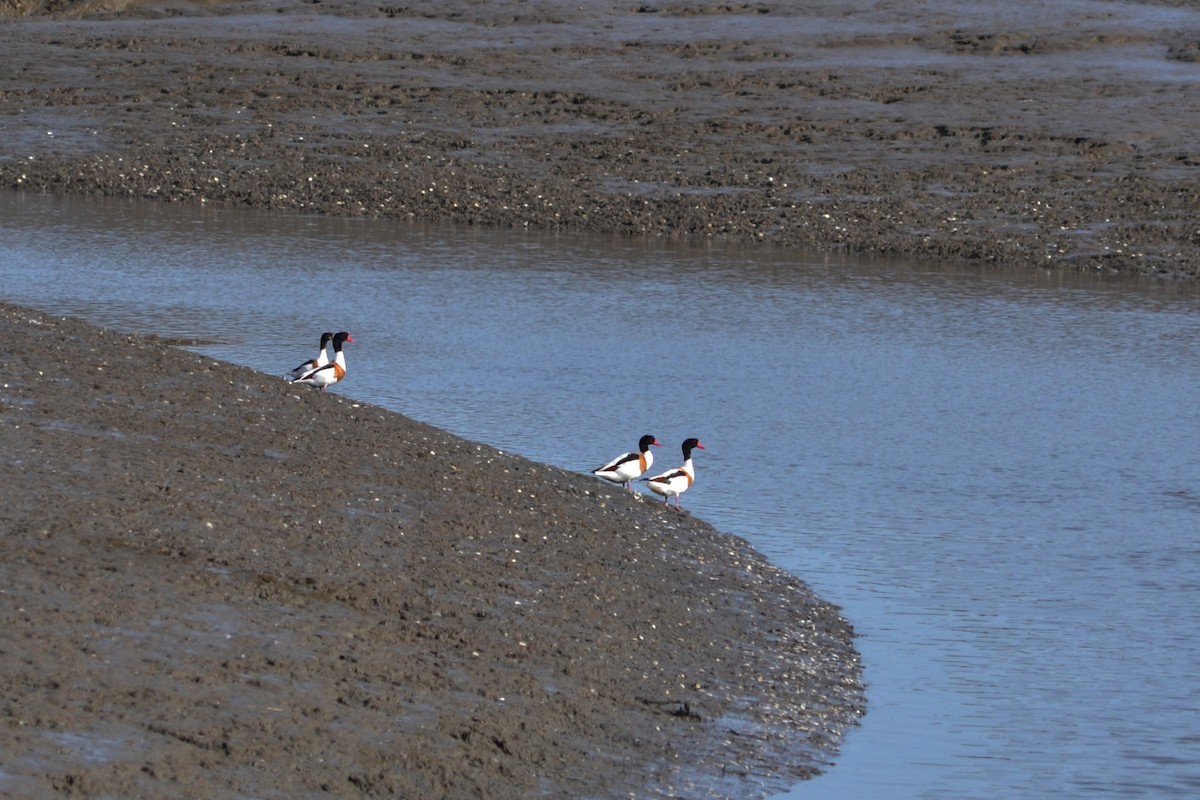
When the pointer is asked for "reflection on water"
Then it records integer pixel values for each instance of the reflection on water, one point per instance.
(994, 473)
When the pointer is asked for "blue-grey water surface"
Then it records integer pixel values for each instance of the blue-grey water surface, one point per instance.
(994, 473)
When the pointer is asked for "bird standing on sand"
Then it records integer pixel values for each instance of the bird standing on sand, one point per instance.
(334, 371)
(314, 363)
(677, 481)
(626, 467)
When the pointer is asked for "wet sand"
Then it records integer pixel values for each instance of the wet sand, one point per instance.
(1043, 134)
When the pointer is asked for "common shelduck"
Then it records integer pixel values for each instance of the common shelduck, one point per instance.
(334, 371)
(627, 466)
(676, 482)
(314, 363)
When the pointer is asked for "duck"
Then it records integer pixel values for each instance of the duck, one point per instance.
(627, 466)
(676, 481)
(314, 363)
(334, 371)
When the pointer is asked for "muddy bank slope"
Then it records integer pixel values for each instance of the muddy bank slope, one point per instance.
(219, 585)
(1046, 134)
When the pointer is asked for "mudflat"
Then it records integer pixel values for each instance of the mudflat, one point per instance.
(220, 584)
(1052, 133)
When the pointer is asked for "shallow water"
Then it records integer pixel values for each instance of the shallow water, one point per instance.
(994, 474)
